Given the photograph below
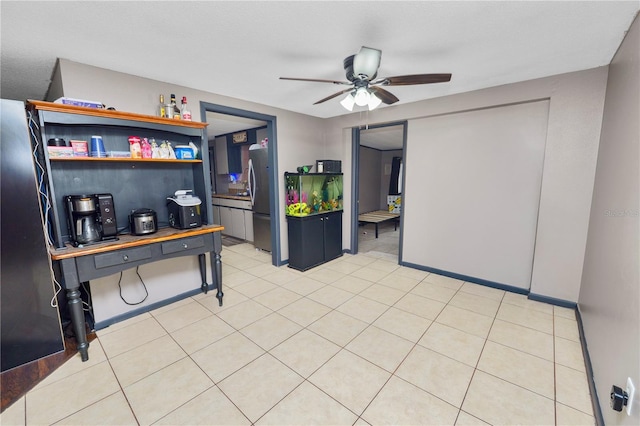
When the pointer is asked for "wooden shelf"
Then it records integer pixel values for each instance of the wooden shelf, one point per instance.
(101, 112)
(123, 159)
(128, 241)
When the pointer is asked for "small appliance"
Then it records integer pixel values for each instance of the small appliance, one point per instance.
(143, 221)
(184, 210)
(91, 218)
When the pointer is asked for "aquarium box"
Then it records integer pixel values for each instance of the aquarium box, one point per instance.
(312, 193)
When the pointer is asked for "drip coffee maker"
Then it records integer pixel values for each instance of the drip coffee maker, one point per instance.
(91, 218)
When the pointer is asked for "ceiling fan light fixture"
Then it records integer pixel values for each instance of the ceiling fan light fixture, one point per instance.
(348, 102)
(374, 102)
(362, 96)
(366, 62)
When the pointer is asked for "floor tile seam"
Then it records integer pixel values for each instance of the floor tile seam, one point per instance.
(356, 293)
(385, 303)
(531, 308)
(424, 390)
(337, 306)
(462, 290)
(284, 306)
(79, 409)
(413, 313)
(105, 331)
(471, 310)
(323, 391)
(571, 368)
(493, 374)
(525, 326)
(150, 374)
(460, 329)
(209, 314)
(216, 383)
(527, 311)
(396, 288)
(278, 402)
(138, 322)
(232, 402)
(564, 404)
(369, 322)
(124, 394)
(165, 311)
(431, 298)
(475, 369)
(519, 350)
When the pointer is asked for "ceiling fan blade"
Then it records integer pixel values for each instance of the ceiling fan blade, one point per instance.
(366, 62)
(406, 80)
(333, 96)
(385, 96)
(316, 80)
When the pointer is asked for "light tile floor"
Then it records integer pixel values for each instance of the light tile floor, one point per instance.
(360, 340)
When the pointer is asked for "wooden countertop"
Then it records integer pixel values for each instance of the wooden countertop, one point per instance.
(232, 197)
(127, 240)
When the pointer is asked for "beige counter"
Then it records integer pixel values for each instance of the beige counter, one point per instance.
(231, 197)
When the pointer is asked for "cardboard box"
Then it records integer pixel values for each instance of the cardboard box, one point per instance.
(60, 151)
(80, 148)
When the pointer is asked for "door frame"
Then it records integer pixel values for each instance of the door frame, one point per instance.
(355, 166)
(274, 211)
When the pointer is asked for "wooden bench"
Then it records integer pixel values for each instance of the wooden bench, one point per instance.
(378, 217)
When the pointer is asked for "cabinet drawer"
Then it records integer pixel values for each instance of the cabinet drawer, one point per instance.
(182, 245)
(122, 257)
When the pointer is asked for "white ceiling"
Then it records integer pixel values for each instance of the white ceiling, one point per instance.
(239, 49)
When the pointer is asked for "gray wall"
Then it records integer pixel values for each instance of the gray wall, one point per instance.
(369, 180)
(300, 138)
(576, 102)
(610, 291)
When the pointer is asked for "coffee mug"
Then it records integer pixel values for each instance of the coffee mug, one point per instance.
(97, 147)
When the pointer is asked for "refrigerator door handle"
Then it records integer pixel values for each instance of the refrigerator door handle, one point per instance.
(252, 182)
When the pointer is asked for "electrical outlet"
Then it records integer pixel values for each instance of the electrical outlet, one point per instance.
(631, 389)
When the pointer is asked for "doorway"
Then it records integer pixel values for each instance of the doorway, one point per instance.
(233, 120)
(378, 155)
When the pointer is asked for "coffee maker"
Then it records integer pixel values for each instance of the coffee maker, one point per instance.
(91, 218)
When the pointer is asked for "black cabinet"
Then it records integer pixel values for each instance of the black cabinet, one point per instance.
(314, 239)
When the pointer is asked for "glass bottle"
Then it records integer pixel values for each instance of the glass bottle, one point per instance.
(162, 109)
(185, 113)
(174, 110)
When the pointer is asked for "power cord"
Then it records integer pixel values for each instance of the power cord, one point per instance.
(45, 204)
(143, 286)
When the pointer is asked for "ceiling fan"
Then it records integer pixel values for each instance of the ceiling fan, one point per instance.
(361, 71)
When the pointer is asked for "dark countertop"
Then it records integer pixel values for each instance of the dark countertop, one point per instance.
(232, 197)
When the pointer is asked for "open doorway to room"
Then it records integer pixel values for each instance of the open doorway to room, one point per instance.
(242, 158)
(378, 154)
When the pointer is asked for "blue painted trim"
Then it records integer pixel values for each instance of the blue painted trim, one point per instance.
(595, 401)
(118, 318)
(355, 195)
(493, 284)
(553, 301)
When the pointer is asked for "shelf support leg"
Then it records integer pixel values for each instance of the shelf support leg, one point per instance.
(216, 265)
(74, 301)
(203, 273)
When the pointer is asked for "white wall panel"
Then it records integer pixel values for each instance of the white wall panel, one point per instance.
(473, 190)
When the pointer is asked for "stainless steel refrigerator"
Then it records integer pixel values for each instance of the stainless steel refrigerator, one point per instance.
(259, 191)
